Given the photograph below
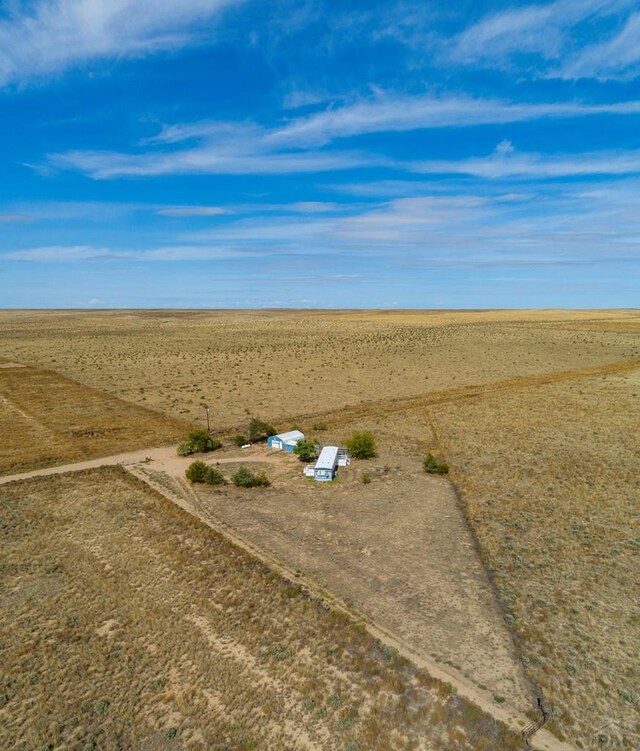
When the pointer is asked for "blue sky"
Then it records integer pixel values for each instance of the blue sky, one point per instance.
(294, 153)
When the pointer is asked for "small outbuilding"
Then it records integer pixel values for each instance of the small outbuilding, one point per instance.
(285, 441)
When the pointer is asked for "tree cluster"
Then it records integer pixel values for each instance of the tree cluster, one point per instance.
(198, 441)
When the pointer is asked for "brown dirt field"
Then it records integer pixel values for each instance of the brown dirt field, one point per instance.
(47, 419)
(125, 623)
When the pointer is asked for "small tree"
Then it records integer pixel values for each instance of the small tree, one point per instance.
(434, 466)
(361, 445)
(199, 472)
(198, 441)
(305, 450)
(196, 471)
(259, 430)
(201, 440)
(214, 476)
(240, 440)
(244, 478)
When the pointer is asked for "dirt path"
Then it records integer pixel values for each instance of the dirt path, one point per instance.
(163, 458)
(163, 470)
(345, 415)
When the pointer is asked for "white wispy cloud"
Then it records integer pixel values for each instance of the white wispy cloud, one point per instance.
(189, 211)
(58, 253)
(510, 163)
(11, 218)
(48, 36)
(571, 225)
(618, 57)
(212, 147)
(75, 253)
(388, 113)
(207, 159)
(547, 30)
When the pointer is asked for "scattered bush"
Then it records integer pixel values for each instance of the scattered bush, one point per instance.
(320, 425)
(202, 473)
(305, 450)
(435, 466)
(240, 440)
(365, 478)
(198, 441)
(185, 449)
(244, 478)
(361, 445)
(259, 430)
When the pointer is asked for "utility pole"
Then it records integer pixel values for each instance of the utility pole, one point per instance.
(206, 406)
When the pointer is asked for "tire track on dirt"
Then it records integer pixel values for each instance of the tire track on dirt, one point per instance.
(377, 408)
(35, 424)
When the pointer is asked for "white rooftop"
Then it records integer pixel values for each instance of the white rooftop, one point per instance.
(327, 458)
(292, 435)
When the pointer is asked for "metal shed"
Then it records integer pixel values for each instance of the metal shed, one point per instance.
(285, 441)
(327, 464)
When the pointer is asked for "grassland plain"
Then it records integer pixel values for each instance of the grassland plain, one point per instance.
(127, 624)
(47, 419)
(551, 484)
(295, 363)
(536, 411)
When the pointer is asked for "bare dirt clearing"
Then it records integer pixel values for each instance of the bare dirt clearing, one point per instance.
(126, 623)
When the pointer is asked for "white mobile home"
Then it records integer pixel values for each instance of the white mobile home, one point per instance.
(327, 464)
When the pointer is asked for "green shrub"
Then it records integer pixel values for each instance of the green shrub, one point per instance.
(244, 478)
(435, 466)
(361, 445)
(320, 425)
(185, 449)
(202, 441)
(198, 441)
(240, 440)
(305, 450)
(365, 478)
(202, 473)
(196, 471)
(259, 430)
(214, 477)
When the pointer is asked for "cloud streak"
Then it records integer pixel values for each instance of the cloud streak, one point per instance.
(298, 146)
(49, 36)
(553, 32)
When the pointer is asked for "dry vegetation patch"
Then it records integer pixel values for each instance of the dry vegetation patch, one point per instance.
(47, 419)
(127, 624)
(277, 364)
(550, 480)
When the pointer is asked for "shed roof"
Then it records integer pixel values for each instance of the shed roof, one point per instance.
(291, 435)
(328, 457)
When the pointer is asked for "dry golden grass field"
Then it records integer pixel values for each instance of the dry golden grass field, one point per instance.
(47, 419)
(537, 413)
(289, 364)
(127, 624)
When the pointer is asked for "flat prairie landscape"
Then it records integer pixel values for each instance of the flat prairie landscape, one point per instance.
(535, 411)
(127, 624)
